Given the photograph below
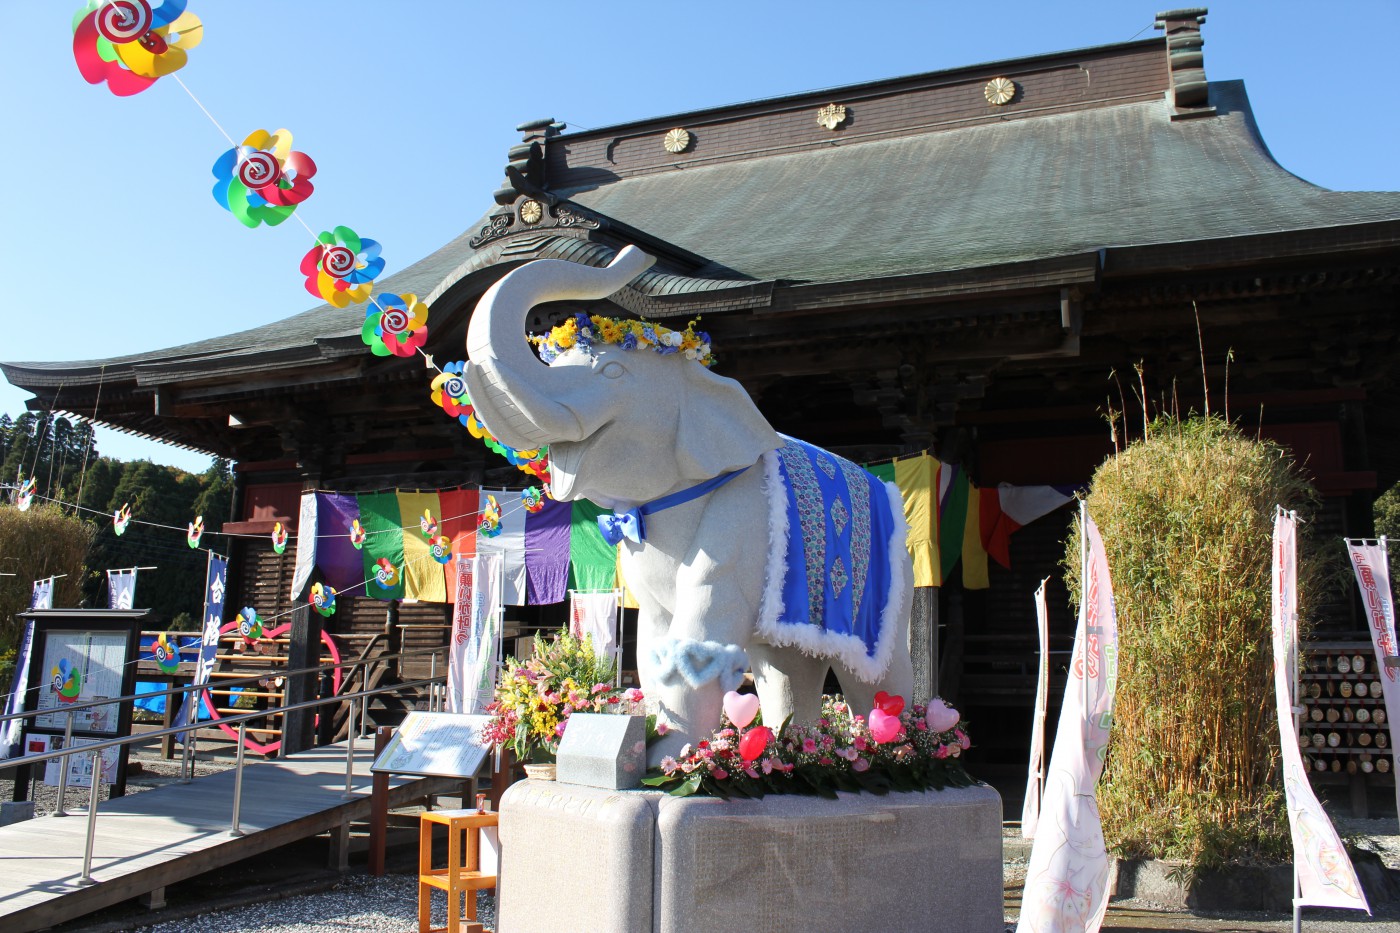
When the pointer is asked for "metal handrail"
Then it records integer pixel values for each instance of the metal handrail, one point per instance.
(223, 682)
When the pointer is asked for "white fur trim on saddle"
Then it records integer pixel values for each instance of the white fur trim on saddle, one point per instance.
(699, 662)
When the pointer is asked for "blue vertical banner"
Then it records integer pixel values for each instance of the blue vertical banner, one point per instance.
(12, 730)
(215, 581)
(121, 589)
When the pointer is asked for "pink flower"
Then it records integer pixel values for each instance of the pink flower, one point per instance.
(861, 744)
(633, 695)
(839, 707)
(823, 760)
(662, 727)
(768, 766)
(942, 752)
(809, 746)
(720, 774)
(559, 729)
(751, 772)
(860, 764)
(669, 765)
(963, 740)
(850, 754)
(600, 688)
(954, 751)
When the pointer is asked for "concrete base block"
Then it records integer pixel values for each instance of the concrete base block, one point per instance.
(903, 862)
(16, 811)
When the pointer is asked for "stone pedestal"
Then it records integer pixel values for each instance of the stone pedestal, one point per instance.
(583, 858)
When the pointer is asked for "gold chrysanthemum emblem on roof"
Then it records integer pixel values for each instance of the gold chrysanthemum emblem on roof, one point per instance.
(531, 212)
(999, 91)
(832, 115)
(678, 140)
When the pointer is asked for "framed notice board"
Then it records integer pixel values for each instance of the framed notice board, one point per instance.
(80, 656)
(435, 745)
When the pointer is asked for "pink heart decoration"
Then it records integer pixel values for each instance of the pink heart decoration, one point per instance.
(883, 726)
(940, 716)
(741, 708)
(894, 705)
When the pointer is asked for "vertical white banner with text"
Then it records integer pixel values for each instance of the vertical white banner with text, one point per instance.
(1035, 776)
(1323, 871)
(1372, 569)
(1066, 887)
(476, 634)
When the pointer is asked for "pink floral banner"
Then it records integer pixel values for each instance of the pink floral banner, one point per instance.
(1067, 880)
(1372, 570)
(1325, 877)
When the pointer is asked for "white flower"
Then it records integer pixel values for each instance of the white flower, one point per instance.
(671, 338)
(691, 355)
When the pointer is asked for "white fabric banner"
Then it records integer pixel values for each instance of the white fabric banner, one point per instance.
(1066, 889)
(121, 589)
(42, 597)
(509, 544)
(1035, 776)
(1373, 576)
(594, 615)
(1323, 871)
(306, 546)
(476, 634)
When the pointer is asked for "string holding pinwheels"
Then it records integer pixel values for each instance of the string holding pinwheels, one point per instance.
(264, 179)
(129, 45)
(341, 267)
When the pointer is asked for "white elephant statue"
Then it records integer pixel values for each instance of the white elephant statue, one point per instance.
(753, 551)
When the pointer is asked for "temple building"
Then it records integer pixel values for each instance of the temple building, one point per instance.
(970, 262)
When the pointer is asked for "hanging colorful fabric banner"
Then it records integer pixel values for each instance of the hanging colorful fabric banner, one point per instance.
(423, 575)
(340, 562)
(592, 561)
(547, 552)
(509, 544)
(1066, 887)
(916, 478)
(1324, 874)
(307, 544)
(595, 616)
(1372, 569)
(974, 555)
(12, 730)
(1035, 773)
(459, 525)
(383, 551)
(1005, 509)
(42, 596)
(121, 589)
(952, 514)
(476, 634)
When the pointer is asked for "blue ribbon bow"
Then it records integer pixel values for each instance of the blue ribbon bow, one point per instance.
(630, 523)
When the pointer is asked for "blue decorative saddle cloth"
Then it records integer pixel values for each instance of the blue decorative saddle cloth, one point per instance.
(837, 570)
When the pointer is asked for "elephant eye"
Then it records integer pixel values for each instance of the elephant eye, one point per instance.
(613, 369)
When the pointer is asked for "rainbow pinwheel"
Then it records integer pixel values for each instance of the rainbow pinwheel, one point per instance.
(279, 538)
(357, 534)
(387, 575)
(322, 599)
(450, 392)
(427, 524)
(66, 680)
(129, 45)
(534, 462)
(121, 518)
(167, 655)
(395, 325)
(249, 625)
(24, 496)
(263, 180)
(195, 531)
(341, 267)
(441, 547)
(533, 499)
(489, 524)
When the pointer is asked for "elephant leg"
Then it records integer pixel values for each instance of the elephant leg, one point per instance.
(789, 683)
(899, 677)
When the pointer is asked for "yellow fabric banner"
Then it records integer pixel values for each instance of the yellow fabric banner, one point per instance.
(916, 478)
(974, 555)
(424, 578)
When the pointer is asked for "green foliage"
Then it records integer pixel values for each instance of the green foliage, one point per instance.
(49, 448)
(38, 543)
(1186, 516)
(1386, 513)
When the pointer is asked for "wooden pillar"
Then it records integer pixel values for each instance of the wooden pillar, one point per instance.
(298, 726)
(379, 806)
(950, 673)
(923, 642)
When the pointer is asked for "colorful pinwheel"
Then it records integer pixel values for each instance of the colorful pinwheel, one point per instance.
(395, 325)
(121, 518)
(167, 655)
(357, 534)
(322, 599)
(533, 462)
(387, 576)
(427, 524)
(195, 531)
(24, 496)
(441, 546)
(450, 392)
(279, 538)
(341, 267)
(249, 625)
(533, 499)
(66, 680)
(263, 180)
(489, 524)
(129, 45)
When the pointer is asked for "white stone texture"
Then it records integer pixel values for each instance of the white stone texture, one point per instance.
(603, 750)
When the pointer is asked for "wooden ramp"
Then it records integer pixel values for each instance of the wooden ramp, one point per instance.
(155, 838)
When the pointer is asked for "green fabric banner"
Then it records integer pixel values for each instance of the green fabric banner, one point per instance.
(379, 516)
(592, 561)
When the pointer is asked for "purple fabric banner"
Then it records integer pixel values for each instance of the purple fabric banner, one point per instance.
(547, 553)
(341, 565)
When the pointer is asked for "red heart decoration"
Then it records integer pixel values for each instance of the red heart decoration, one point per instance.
(893, 705)
(754, 742)
(883, 726)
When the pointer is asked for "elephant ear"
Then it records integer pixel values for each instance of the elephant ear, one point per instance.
(720, 429)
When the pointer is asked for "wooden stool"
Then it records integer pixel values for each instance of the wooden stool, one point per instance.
(462, 873)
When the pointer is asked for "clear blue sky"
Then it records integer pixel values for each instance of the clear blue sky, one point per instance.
(113, 244)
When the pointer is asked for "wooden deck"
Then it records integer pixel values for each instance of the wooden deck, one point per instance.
(152, 839)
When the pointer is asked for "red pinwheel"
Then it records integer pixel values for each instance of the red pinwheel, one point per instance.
(263, 180)
(341, 267)
(129, 45)
(395, 325)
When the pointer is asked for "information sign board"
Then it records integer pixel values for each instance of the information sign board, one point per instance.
(436, 745)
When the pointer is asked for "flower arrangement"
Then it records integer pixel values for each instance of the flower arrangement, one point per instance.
(890, 749)
(535, 698)
(583, 331)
